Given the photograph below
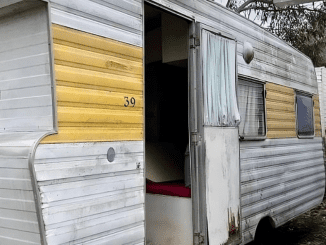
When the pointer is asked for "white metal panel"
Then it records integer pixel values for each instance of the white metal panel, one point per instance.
(321, 79)
(168, 220)
(279, 178)
(119, 20)
(274, 60)
(25, 81)
(18, 218)
(87, 199)
(223, 196)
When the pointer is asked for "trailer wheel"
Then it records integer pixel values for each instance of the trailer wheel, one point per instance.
(265, 232)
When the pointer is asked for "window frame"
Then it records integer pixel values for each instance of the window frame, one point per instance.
(300, 92)
(260, 82)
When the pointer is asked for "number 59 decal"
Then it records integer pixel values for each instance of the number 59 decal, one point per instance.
(130, 102)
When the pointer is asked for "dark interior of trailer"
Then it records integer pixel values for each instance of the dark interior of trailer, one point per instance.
(166, 98)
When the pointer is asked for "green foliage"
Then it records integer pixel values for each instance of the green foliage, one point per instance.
(303, 26)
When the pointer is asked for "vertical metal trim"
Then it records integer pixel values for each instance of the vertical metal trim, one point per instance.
(200, 148)
(52, 70)
(144, 118)
(36, 191)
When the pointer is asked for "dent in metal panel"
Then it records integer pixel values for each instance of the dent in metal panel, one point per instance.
(88, 191)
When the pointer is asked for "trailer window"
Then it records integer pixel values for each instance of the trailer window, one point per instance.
(252, 109)
(305, 120)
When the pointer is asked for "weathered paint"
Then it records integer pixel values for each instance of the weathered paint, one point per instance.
(321, 78)
(317, 116)
(118, 20)
(223, 196)
(87, 199)
(25, 74)
(280, 178)
(280, 110)
(26, 112)
(97, 79)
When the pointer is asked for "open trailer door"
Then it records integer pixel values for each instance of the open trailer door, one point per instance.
(214, 138)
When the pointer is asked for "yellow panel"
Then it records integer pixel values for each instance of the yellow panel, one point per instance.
(281, 134)
(72, 37)
(99, 88)
(279, 115)
(280, 107)
(281, 125)
(277, 96)
(279, 88)
(81, 97)
(97, 80)
(91, 115)
(90, 60)
(77, 134)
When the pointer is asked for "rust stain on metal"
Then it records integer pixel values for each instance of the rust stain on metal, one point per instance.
(234, 227)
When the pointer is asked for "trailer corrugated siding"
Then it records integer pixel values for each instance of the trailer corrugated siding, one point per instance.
(118, 20)
(95, 77)
(274, 60)
(280, 109)
(87, 199)
(321, 78)
(280, 178)
(98, 59)
(25, 114)
(25, 82)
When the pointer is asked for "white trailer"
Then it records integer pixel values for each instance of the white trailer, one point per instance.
(101, 99)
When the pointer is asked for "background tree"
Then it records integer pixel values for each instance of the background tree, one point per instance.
(303, 26)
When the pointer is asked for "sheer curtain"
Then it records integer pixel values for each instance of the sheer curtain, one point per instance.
(219, 75)
(251, 106)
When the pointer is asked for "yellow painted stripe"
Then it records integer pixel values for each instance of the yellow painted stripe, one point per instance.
(280, 108)
(81, 97)
(87, 40)
(277, 96)
(278, 115)
(282, 125)
(91, 115)
(281, 134)
(90, 60)
(95, 79)
(279, 88)
(77, 134)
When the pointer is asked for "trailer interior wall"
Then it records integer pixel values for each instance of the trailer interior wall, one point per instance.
(26, 112)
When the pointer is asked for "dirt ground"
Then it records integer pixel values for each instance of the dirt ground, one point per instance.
(307, 229)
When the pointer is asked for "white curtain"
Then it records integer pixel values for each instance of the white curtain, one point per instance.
(251, 106)
(219, 75)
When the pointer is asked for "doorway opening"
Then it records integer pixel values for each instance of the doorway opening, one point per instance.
(168, 201)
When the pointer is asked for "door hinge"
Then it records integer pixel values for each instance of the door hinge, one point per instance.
(199, 238)
(194, 41)
(195, 138)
